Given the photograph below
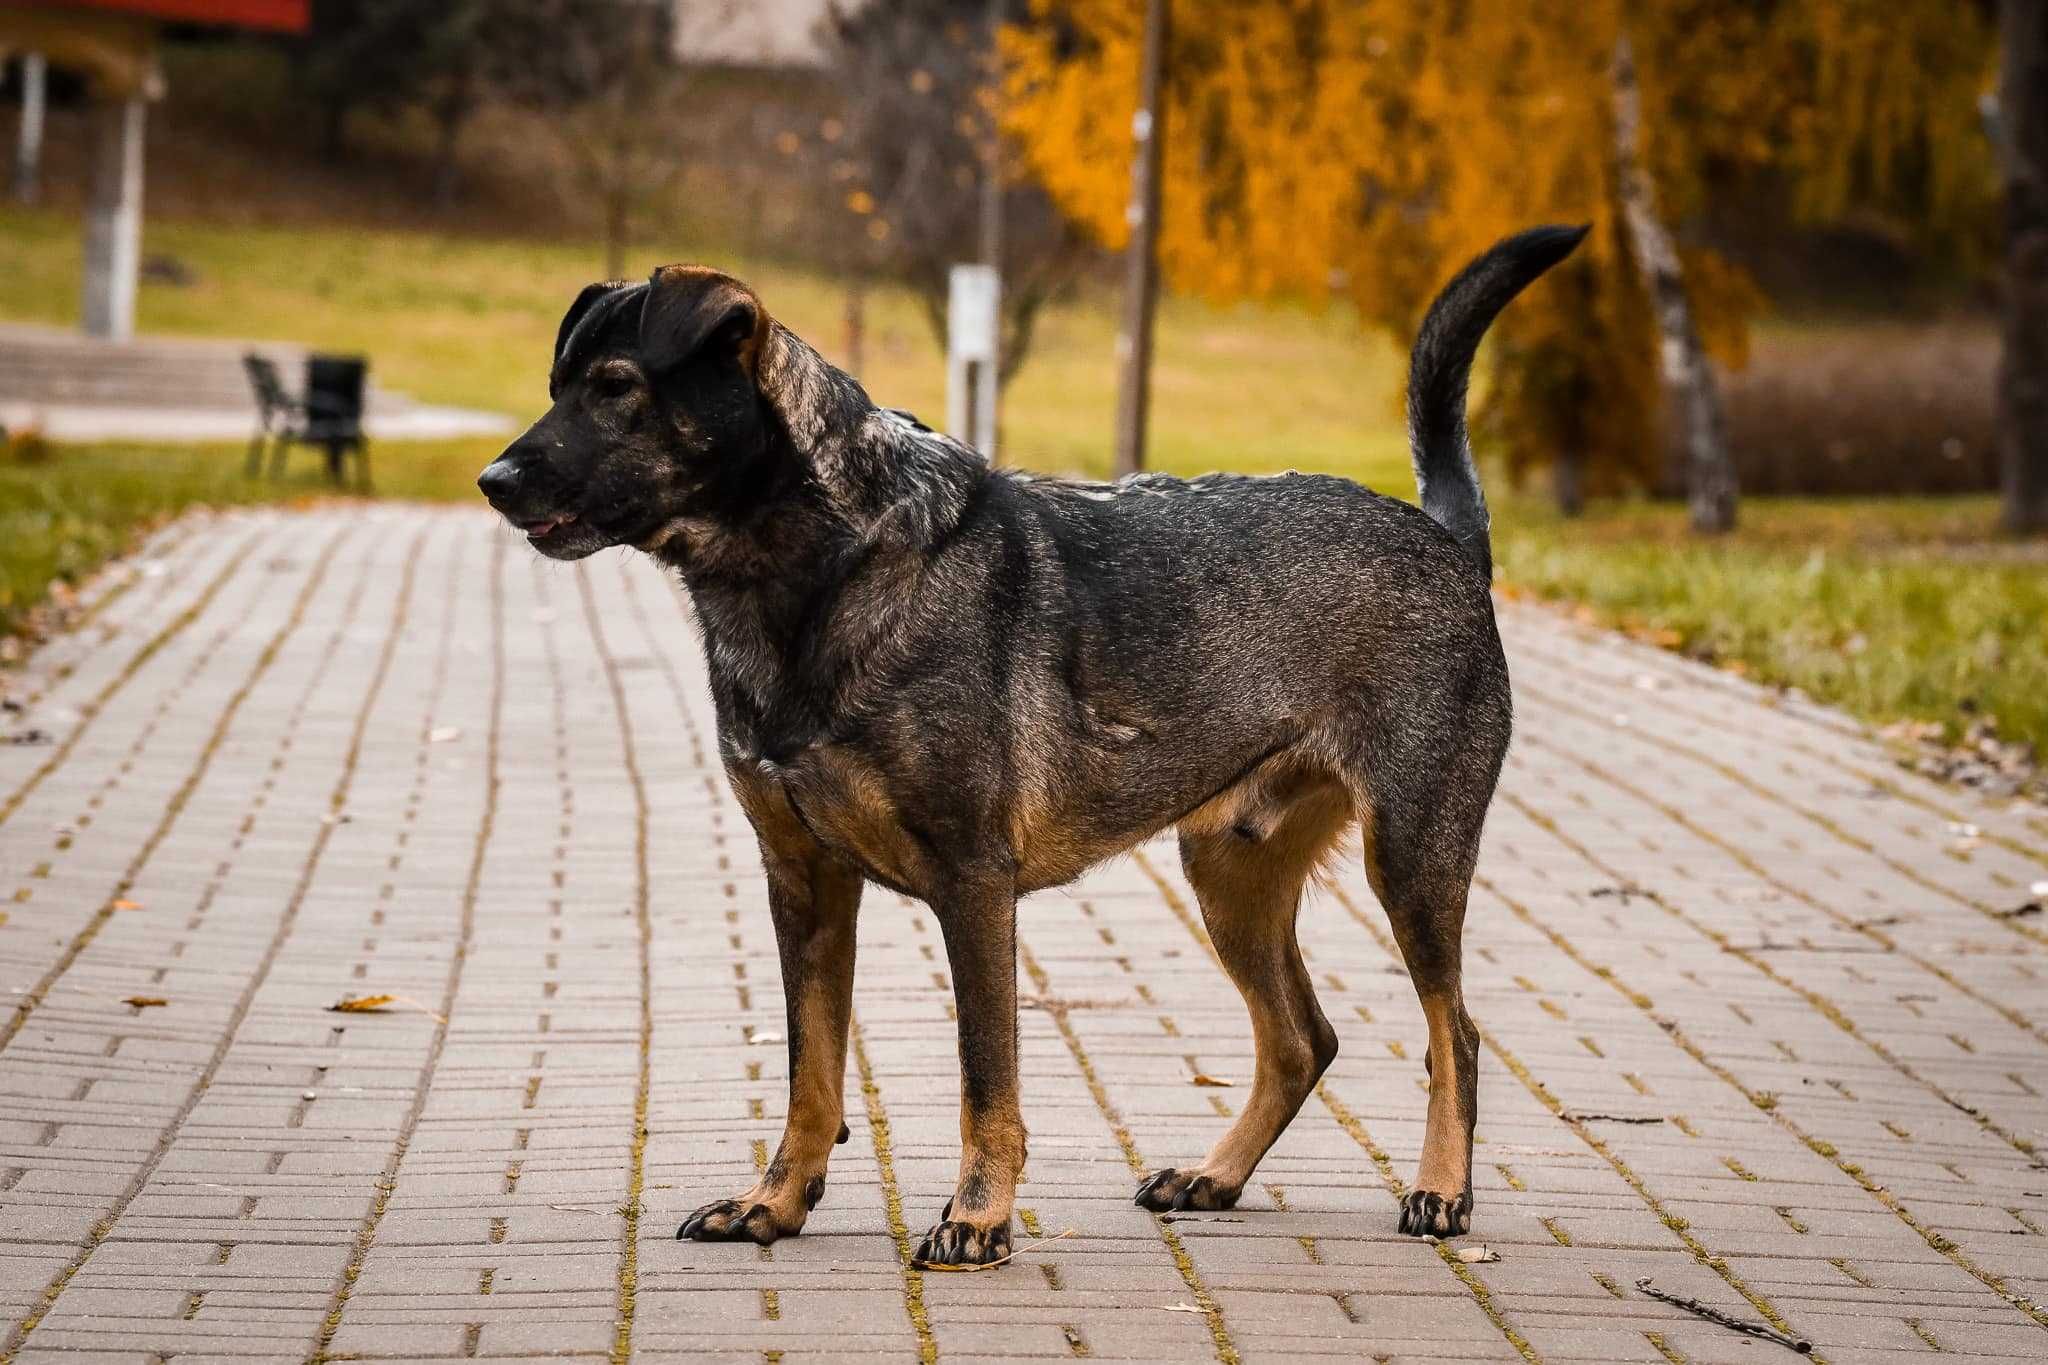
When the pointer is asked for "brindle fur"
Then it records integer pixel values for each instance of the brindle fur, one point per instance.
(967, 684)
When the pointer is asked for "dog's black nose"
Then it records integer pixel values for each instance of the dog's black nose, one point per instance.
(499, 480)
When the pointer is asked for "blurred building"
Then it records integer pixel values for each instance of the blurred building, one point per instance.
(772, 34)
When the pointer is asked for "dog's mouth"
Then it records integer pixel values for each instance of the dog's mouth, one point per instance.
(541, 528)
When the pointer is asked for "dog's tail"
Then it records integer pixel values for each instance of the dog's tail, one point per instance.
(1441, 364)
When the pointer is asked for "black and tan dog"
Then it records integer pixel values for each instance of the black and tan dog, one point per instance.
(966, 684)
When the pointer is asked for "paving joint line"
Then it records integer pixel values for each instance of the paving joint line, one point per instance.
(882, 1139)
(629, 1255)
(91, 711)
(72, 638)
(1818, 1002)
(1176, 1247)
(1819, 1146)
(1888, 782)
(1757, 870)
(165, 703)
(104, 1228)
(387, 1183)
(1833, 829)
(83, 939)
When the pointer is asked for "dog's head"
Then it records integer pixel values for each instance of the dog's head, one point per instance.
(657, 414)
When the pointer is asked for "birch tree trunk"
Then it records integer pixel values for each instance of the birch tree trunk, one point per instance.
(2023, 365)
(1691, 396)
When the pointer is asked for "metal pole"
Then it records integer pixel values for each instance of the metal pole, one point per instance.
(28, 149)
(992, 152)
(1141, 285)
(992, 223)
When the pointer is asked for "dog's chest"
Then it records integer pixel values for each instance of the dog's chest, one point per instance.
(841, 800)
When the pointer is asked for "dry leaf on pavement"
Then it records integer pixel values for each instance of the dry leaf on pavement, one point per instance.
(377, 1004)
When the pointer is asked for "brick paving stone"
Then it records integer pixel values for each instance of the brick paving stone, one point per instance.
(1754, 1024)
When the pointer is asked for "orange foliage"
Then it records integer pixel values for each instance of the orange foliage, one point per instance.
(1364, 148)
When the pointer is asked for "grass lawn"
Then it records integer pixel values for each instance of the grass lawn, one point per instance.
(1892, 608)
(1902, 608)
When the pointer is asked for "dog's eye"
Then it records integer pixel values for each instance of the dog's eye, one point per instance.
(615, 384)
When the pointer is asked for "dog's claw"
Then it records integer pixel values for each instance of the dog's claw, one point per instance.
(955, 1243)
(1170, 1190)
(1425, 1213)
(724, 1220)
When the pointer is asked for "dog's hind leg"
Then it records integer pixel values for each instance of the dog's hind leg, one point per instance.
(1422, 815)
(813, 900)
(1248, 874)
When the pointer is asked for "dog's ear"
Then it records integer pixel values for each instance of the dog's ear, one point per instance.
(695, 315)
(590, 298)
(585, 301)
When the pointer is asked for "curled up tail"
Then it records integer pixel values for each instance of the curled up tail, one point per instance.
(1440, 365)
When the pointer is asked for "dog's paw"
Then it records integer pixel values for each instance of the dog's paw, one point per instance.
(1171, 1190)
(955, 1243)
(1425, 1213)
(728, 1220)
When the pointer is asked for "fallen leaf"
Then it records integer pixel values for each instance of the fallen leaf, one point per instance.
(377, 1004)
(361, 1004)
(1478, 1255)
(1184, 1308)
(1204, 1078)
(143, 1002)
(127, 905)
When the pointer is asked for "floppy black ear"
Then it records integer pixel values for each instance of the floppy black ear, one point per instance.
(578, 310)
(695, 314)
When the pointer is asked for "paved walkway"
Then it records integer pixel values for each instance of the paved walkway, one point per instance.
(1760, 1022)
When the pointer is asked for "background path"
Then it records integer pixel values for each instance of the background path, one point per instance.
(1763, 1019)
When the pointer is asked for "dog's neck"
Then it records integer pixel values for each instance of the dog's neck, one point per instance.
(844, 497)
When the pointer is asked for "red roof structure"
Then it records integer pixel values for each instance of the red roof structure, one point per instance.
(287, 16)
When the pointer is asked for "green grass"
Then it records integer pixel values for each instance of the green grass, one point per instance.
(66, 511)
(1902, 608)
(1890, 608)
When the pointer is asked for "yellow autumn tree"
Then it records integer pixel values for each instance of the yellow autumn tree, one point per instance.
(1365, 148)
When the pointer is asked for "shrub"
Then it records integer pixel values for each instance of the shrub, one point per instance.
(1870, 409)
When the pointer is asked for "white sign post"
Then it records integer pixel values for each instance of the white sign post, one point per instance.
(973, 350)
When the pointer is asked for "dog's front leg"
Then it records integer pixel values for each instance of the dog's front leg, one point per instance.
(979, 921)
(813, 899)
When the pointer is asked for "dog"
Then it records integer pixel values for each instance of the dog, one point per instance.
(966, 684)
